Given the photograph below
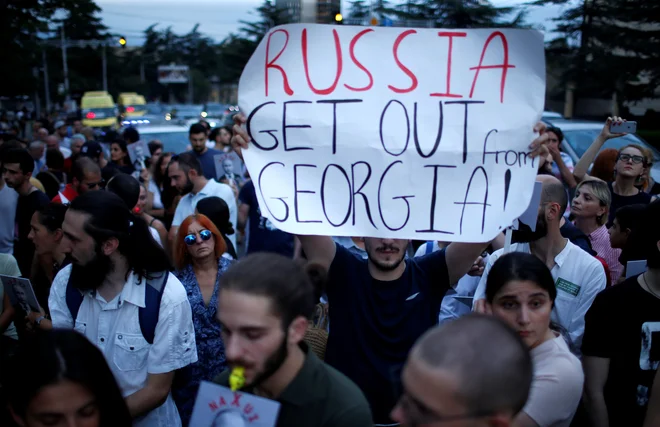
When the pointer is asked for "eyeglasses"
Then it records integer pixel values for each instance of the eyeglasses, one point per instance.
(93, 185)
(635, 159)
(191, 238)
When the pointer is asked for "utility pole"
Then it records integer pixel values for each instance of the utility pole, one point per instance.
(105, 71)
(46, 86)
(65, 67)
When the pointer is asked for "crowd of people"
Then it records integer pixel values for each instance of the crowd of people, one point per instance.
(154, 276)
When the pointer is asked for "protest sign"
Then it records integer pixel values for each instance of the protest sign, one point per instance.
(138, 152)
(230, 167)
(393, 132)
(218, 406)
(20, 292)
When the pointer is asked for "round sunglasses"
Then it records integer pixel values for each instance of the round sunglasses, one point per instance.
(191, 238)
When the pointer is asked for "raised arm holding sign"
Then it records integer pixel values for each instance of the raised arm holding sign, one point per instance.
(391, 134)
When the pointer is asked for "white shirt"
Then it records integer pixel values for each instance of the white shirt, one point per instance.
(188, 203)
(557, 384)
(156, 236)
(451, 308)
(114, 327)
(579, 277)
(157, 202)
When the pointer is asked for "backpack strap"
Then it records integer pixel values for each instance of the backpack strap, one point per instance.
(148, 315)
(429, 247)
(74, 299)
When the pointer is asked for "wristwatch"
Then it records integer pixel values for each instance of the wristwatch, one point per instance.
(39, 319)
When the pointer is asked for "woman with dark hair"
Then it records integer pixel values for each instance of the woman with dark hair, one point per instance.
(217, 211)
(562, 164)
(60, 378)
(46, 234)
(521, 291)
(158, 184)
(198, 257)
(141, 209)
(119, 157)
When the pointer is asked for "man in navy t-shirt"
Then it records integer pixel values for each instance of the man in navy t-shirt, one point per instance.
(206, 156)
(381, 305)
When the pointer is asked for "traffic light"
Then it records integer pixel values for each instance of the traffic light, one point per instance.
(122, 41)
(338, 18)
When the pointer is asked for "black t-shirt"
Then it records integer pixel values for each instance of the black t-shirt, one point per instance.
(621, 201)
(577, 237)
(623, 325)
(23, 247)
(374, 324)
(108, 171)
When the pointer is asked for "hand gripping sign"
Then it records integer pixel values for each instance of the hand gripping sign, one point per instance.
(389, 132)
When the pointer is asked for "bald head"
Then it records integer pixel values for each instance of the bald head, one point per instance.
(553, 192)
(490, 362)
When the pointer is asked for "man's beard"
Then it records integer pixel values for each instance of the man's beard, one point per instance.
(198, 149)
(390, 266)
(188, 187)
(524, 233)
(90, 276)
(273, 363)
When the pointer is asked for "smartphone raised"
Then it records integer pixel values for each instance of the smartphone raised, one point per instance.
(624, 127)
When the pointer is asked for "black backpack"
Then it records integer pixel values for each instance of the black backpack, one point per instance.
(148, 315)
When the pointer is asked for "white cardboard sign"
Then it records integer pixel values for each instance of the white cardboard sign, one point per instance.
(393, 132)
(218, 406)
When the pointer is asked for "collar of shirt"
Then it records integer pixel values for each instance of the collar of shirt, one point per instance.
(599, 233)
(559, 259)
(132, 292)
(304, 386)
(203, 192)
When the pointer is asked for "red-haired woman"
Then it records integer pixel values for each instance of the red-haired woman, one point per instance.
(198, 258)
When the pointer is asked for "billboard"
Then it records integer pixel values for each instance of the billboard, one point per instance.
(173, 74)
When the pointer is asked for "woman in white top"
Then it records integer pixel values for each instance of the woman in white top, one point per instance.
(520, 290)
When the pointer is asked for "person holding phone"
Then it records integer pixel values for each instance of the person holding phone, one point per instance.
(629, 169)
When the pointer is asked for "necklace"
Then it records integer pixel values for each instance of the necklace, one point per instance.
(648, 287)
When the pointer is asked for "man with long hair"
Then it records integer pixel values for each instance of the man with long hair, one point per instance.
(119, 275)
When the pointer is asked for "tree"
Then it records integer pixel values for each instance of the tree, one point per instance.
(236, 49)
(358, 10)
(21, 21)
(609, 47)
(459, 14)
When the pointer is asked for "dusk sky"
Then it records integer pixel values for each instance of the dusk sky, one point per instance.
(218, 18)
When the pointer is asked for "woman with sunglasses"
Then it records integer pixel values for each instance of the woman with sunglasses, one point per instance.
(520, 291)
(629, 169)
(198, 258)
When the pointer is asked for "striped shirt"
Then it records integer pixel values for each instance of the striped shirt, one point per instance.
(600, 242)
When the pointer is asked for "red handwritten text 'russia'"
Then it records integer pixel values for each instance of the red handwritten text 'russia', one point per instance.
(271, 63)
